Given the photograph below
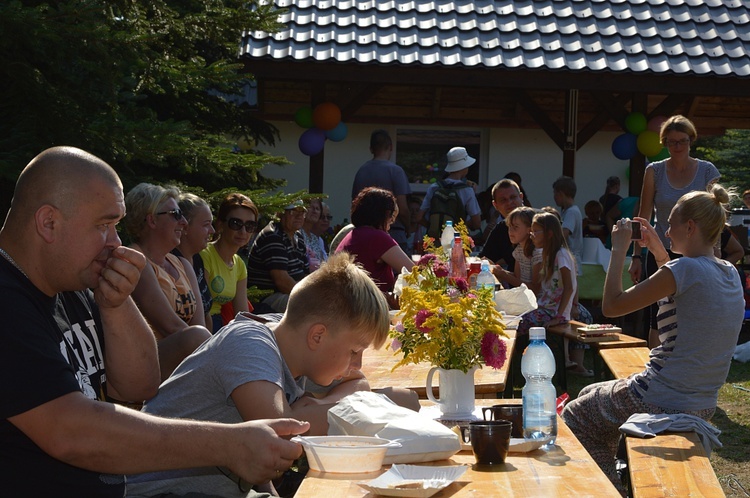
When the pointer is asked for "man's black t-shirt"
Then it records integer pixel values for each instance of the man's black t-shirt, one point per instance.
(498, 246)
(51, 346)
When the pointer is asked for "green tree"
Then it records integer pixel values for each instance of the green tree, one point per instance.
(730, 153)
(139, 84)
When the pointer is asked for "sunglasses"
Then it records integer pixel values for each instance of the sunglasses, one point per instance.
(237, 224)
(176, 213)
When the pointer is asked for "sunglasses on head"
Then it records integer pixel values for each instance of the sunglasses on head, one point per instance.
(176, 213)
(237, 224)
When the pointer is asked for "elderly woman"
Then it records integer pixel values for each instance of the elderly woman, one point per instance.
(313, 243)
(167, 292)
(226, 273)
(195, 237)
(373, 211)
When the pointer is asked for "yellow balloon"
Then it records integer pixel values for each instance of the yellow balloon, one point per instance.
(648, 143)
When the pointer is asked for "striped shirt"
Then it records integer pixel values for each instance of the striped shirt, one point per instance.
(273, 250)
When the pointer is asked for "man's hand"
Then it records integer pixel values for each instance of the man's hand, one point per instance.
(262, 451)
(119, 277)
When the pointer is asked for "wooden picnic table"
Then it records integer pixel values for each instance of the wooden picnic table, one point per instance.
(377, 366)
(623, 362)
(565, 470)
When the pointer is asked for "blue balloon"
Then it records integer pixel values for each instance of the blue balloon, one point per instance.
(338, 133)
(312, 141)
(625, 146)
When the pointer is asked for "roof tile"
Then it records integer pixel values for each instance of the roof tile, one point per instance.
(637, 36)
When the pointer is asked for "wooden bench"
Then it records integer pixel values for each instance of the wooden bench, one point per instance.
(670, 464)
(623, 362)
(570, 331)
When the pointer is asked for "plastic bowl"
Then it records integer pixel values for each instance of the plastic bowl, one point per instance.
(345, 454)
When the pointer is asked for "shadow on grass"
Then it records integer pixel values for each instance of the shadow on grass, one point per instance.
(734, 436)
(739, 372)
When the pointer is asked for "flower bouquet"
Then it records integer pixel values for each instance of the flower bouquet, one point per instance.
(445, 322)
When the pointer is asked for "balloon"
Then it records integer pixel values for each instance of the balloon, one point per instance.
(312, 141)
(326, 115)
(635, 123)
(624, 146)
(304, 117)
(648, 143)
(664, 154)
(654, 124)
(338, 133)
(244, 144)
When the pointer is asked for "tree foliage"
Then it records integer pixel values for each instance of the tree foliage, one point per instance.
(139, 84)
(730, 153)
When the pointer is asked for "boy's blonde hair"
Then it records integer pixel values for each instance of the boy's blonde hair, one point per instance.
(341, 292)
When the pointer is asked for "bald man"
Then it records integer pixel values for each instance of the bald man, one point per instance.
(71, 334)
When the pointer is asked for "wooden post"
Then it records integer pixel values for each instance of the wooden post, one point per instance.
(571, 133)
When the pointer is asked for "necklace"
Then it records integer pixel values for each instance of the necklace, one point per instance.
(12, 261)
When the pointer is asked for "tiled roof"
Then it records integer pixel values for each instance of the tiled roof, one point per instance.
(679, 37)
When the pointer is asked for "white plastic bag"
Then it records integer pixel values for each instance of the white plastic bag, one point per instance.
(515, 301)
(366, 413)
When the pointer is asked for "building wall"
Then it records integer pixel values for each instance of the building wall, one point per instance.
(528, 152)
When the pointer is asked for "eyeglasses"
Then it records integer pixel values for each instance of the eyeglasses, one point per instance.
(237, 224)
(176, 213)
(675, 143)
(326, 217)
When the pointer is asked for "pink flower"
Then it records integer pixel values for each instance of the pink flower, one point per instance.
(422, 316)
(399, 327)
(440, 269)
(426, 259)
(494, 350)
(461, 283)
(395, 345)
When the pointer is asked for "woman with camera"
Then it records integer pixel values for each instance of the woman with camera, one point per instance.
(701, 309)
(663, 183)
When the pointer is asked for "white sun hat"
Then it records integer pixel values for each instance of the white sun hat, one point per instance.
(458, 159)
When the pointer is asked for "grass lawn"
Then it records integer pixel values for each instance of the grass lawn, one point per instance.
(732, 462)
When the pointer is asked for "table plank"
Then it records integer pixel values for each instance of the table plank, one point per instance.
(377, 366)
(566, 470)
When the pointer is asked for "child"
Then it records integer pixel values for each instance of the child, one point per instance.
(559, 283)
(593, 224)
(252, 370)
(528, 259)
(564, 191)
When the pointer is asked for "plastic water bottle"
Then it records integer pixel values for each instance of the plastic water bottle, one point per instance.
(485, 279)
(539, 396)
(446, 238)
(458, 258)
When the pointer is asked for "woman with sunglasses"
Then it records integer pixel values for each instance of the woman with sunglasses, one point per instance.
(315, 252)
(167, 293)
(226, 273)
(664, 182)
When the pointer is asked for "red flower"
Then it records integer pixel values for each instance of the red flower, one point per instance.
(440, 269)
(426, 259)
(422, 316)
(461, 284)
(494, 350)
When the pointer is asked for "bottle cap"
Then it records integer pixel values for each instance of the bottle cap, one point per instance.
(485, 265)
(537, 333)
(449, 223)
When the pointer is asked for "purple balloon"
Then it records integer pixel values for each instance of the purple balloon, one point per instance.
(625, 146)
(312, 141)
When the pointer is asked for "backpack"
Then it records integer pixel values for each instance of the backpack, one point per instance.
(446, 204)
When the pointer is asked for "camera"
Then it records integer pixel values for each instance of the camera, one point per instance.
(635, 226)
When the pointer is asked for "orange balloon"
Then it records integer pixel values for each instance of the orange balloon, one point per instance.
(326, 116)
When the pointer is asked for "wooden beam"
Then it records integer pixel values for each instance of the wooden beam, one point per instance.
(437, 93)
(317, 162)
(597, 122)
(669, 105)
(355, 98)
(541, 118)
(638, 163)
